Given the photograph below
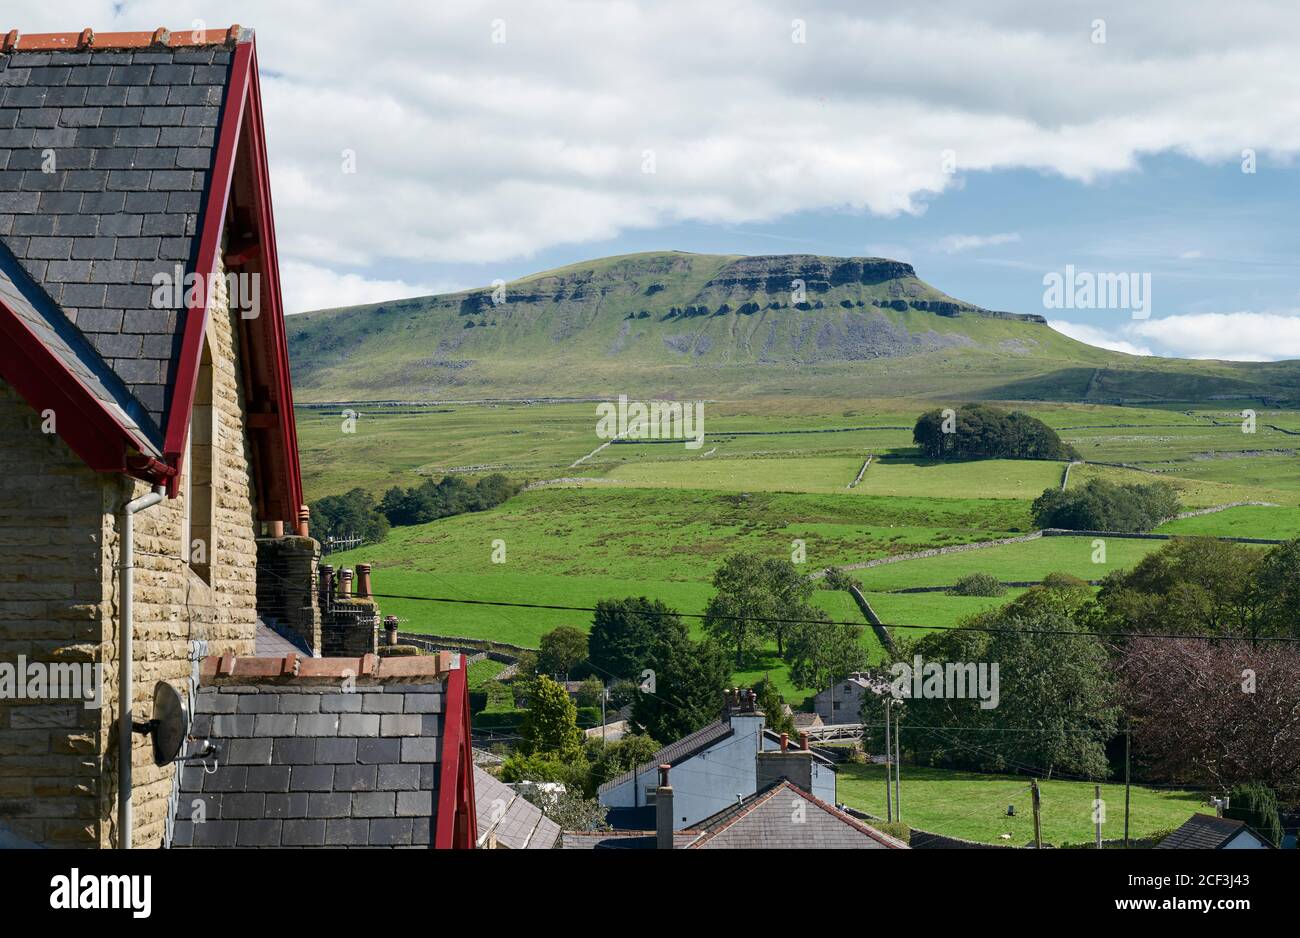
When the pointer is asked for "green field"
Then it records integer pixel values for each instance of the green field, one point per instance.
(973, 806)
(656, 519)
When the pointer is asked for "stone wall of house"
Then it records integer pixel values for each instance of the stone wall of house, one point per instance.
(59, 554)
(53, 608)
(173, 605)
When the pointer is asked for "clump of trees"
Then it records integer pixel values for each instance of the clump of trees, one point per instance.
(452, 495)
(356, 514)
(1098, 505)
(978, 431)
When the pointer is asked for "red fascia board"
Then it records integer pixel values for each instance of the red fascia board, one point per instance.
(196, 315)
(457, 824)
(272, 317)
(81, 419)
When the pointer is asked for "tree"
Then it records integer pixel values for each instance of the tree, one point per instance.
(757, 599)
(741, 599)
(1256, 804)
(1277, 582)
(622, 633)
(352, 515)
(590, 692)
(550, 725)
(611, 760)
(772, 704)
(561, 650)
(1193, 586)
(1214, 714)
(1055, 695)
(1098, 505)
(978, 431)
(822, 653)
(685, 689)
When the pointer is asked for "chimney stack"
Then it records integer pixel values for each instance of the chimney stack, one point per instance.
(803, 740)
(664, 811)
(363, 581)
(390, 629)
(326, 573)
(785, 742)
(277, 529)
(345, 585)
(304, 520)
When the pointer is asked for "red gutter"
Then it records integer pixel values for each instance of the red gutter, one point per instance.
(196, 315)
(457, 824)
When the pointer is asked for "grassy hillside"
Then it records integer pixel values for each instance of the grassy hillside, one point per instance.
(672, 324)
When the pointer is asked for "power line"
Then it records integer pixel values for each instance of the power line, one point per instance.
(769, 620)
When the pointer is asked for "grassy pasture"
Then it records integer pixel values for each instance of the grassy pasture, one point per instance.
(973, 805)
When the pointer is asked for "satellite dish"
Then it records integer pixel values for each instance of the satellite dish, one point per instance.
(170, 724)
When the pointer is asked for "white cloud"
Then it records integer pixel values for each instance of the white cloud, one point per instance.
(1239, 336)
(1093, 335)
(476, 152)
(308, 286)
(957, 243)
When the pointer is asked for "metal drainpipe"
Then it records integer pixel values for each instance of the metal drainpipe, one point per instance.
(125, 660)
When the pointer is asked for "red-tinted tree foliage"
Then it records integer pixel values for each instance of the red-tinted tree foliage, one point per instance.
(1214, 714)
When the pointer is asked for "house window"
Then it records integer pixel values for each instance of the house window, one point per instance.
(198, 529)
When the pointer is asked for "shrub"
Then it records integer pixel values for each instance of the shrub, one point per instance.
(896, 829)
(977, 584)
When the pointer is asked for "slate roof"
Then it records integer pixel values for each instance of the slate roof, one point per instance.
(131, 135)
(784, 816)
(514, 822)
(272, 643)
(308, 765)
(1205, 832)
(676, 752)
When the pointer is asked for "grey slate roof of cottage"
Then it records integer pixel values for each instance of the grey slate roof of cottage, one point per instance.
(1205, 832)
(676, 752)
(784, 816)
(309, 765)
(514, 822)
(131, 135)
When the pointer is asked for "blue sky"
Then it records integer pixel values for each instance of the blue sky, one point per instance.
(458, 142)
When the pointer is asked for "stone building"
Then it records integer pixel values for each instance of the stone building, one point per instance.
(151, 507)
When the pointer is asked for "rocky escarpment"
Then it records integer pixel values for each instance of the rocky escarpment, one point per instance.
(776, 274)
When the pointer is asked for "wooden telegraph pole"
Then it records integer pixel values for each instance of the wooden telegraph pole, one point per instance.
(889, 800)
(1096, 811)
(1038, 824)
(1126, 785)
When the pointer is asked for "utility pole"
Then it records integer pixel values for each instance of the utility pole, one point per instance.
(1038, 823)
(1096, 811)
(898, 766)
(889, 803)
(1126, 784)
(604, 695)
